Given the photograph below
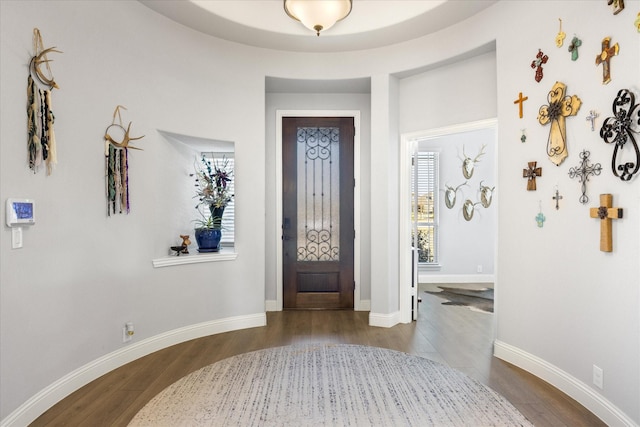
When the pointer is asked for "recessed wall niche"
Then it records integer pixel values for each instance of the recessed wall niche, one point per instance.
(190, 149)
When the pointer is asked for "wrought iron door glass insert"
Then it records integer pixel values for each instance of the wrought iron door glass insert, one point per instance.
(318, 235)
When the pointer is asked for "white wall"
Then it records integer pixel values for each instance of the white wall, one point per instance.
(456, 93)
(571, 308)
(464, 246)
(561, 298)
(81, 275)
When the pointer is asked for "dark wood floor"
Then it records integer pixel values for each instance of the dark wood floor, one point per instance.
(455, 336)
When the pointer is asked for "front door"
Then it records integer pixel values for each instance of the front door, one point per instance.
(318, 226)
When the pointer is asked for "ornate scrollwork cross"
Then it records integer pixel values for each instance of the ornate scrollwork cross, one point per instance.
(620, 129)
(583, 172)
(559, 108)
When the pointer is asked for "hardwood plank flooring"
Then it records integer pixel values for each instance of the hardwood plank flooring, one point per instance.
(456, 336)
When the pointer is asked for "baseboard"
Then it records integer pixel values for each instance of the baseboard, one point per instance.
(455, 278)
(384, 320)
(52, 394)
(363, 305)
(271, 305)
(576, 389)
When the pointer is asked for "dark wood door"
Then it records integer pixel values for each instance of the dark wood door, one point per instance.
(317, 226)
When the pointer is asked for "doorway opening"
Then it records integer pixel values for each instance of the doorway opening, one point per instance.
(467, 237)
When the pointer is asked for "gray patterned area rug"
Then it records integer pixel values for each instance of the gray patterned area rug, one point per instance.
(328, 385)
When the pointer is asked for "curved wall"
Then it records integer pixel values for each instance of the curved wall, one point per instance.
(81, 275)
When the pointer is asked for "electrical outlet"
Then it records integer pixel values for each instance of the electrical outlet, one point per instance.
(598, 377)
(125, 335)
(127, 332)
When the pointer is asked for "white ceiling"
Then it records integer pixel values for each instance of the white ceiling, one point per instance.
(371, 24)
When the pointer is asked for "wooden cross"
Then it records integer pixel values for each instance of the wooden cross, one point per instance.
(618, 5)
(531, 173)
(520, 100)
(606, 213)
(541, 58)
(592, 117)
(555, 113)
(604, 58)
(557, 198)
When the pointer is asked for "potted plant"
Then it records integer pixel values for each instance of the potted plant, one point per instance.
(213, 193)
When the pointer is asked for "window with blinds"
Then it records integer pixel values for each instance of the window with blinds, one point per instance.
(228, 218)
(424, 206)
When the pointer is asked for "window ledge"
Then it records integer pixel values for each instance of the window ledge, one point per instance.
(225, 254)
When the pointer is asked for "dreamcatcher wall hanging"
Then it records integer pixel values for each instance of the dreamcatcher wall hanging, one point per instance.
(116, 152)
(41, 144)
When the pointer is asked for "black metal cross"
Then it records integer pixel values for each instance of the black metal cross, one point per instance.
(583, 172)
(557, 198)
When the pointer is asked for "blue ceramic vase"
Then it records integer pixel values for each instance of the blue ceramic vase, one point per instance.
(208, 239)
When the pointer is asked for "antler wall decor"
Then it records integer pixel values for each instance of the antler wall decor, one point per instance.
(117, 164)
(468, 164)
(486, 195)
(450, 195)
(619, 130)
(41, 141)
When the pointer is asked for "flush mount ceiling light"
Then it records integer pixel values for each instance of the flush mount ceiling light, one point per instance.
(317, 15)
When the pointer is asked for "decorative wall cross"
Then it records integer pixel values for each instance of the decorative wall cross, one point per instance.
(557, 198)
(618, 5)
(541, 58)
(620, 129)
(561, 35)
(531, 173)
(583, 172)
(592, 118)
(604, 58)
(573, 47)
(559, 108)
(606, 213)
(520, 101)
(540, 218)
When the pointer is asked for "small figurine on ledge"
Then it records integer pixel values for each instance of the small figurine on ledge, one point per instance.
(184, 247)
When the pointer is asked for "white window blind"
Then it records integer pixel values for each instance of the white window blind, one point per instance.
(228, 218)
(424, 193)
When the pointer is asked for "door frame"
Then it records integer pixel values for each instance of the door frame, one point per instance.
(404, 239)
(357, 305)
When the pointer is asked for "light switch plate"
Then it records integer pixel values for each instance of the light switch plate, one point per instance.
(16, 237)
